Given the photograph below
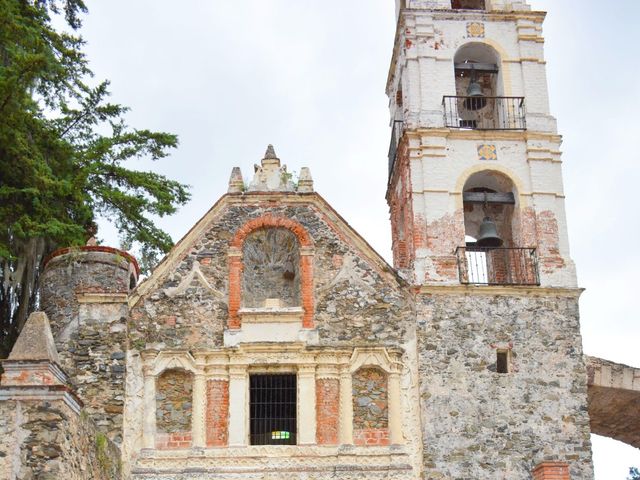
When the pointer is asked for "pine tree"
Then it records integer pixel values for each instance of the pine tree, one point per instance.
(63, 149)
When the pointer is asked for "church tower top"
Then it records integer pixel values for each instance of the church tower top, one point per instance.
(475, 185)
(484, 5)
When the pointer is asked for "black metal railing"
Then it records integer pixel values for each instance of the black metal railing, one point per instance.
(484, 113)
(396, 134)
(497, 266)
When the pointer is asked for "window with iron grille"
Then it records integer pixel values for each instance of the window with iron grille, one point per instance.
(272, 400)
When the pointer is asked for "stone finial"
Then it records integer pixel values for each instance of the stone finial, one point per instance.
(305, 182)
(236, 183)
(35, 341)
(92, 242)
(270, 176)
(270, 153)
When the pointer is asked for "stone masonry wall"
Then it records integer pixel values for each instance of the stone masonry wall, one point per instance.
(501, 425)
(48, 441)
(370, 407)
(174, 403)
(354, 302)
(90, 337)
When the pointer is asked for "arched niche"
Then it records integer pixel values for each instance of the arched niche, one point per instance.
(271, 268)
(174, 405)
(304, 266)
(370, 406)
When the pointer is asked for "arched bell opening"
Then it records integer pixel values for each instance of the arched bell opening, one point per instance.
(489, 200)
(477, 103)
(477, 70)
(490, 255)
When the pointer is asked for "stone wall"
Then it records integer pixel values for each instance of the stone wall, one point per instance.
(84, 293)
(355, 300)
(370, 407)
(501, 425)
(174, 403)
(48, 441)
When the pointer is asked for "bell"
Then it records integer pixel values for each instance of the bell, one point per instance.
(488, 234)
(475, 98)
(474, 89)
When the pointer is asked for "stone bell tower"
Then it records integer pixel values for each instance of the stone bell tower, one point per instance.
(478, 224)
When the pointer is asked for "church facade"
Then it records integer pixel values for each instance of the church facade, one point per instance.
(274, 341)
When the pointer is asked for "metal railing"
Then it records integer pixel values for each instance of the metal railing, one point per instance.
(497, 266)
(396, 134)
(484, 113)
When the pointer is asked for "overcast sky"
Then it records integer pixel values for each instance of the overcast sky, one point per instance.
(229, 77)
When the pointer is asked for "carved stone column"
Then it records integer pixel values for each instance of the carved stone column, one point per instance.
(346, 406)
(395, 410)
(199, 406)
(149, 405)
(307, 404)
(238, 406)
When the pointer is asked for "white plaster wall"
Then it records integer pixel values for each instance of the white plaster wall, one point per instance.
(424, 64)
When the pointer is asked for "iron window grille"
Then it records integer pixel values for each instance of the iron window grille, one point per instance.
(273, 405)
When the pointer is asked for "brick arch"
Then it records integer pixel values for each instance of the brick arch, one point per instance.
(271, 221)
(306, 265)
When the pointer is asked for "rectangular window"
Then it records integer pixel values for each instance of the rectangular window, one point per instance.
(273, 406)
(502, 361)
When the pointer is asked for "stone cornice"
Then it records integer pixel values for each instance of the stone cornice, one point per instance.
(489, 290)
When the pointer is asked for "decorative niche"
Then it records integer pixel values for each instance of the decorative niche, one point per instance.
(271, 269)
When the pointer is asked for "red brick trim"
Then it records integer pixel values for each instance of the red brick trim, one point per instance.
(173, 441)
(217, 416)
(371, 436)
(327, 411)
(551, 471)
(235, 266)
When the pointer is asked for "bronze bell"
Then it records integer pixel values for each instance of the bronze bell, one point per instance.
(474, 89)
(475, 98)
(488, 234)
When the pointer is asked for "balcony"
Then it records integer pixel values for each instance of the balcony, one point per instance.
(497, 266)
(396, 134)
(484, 113)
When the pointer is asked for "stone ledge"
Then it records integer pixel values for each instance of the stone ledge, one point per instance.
(90, 297)
(42, 393)
(290, 458)
(488, 290)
